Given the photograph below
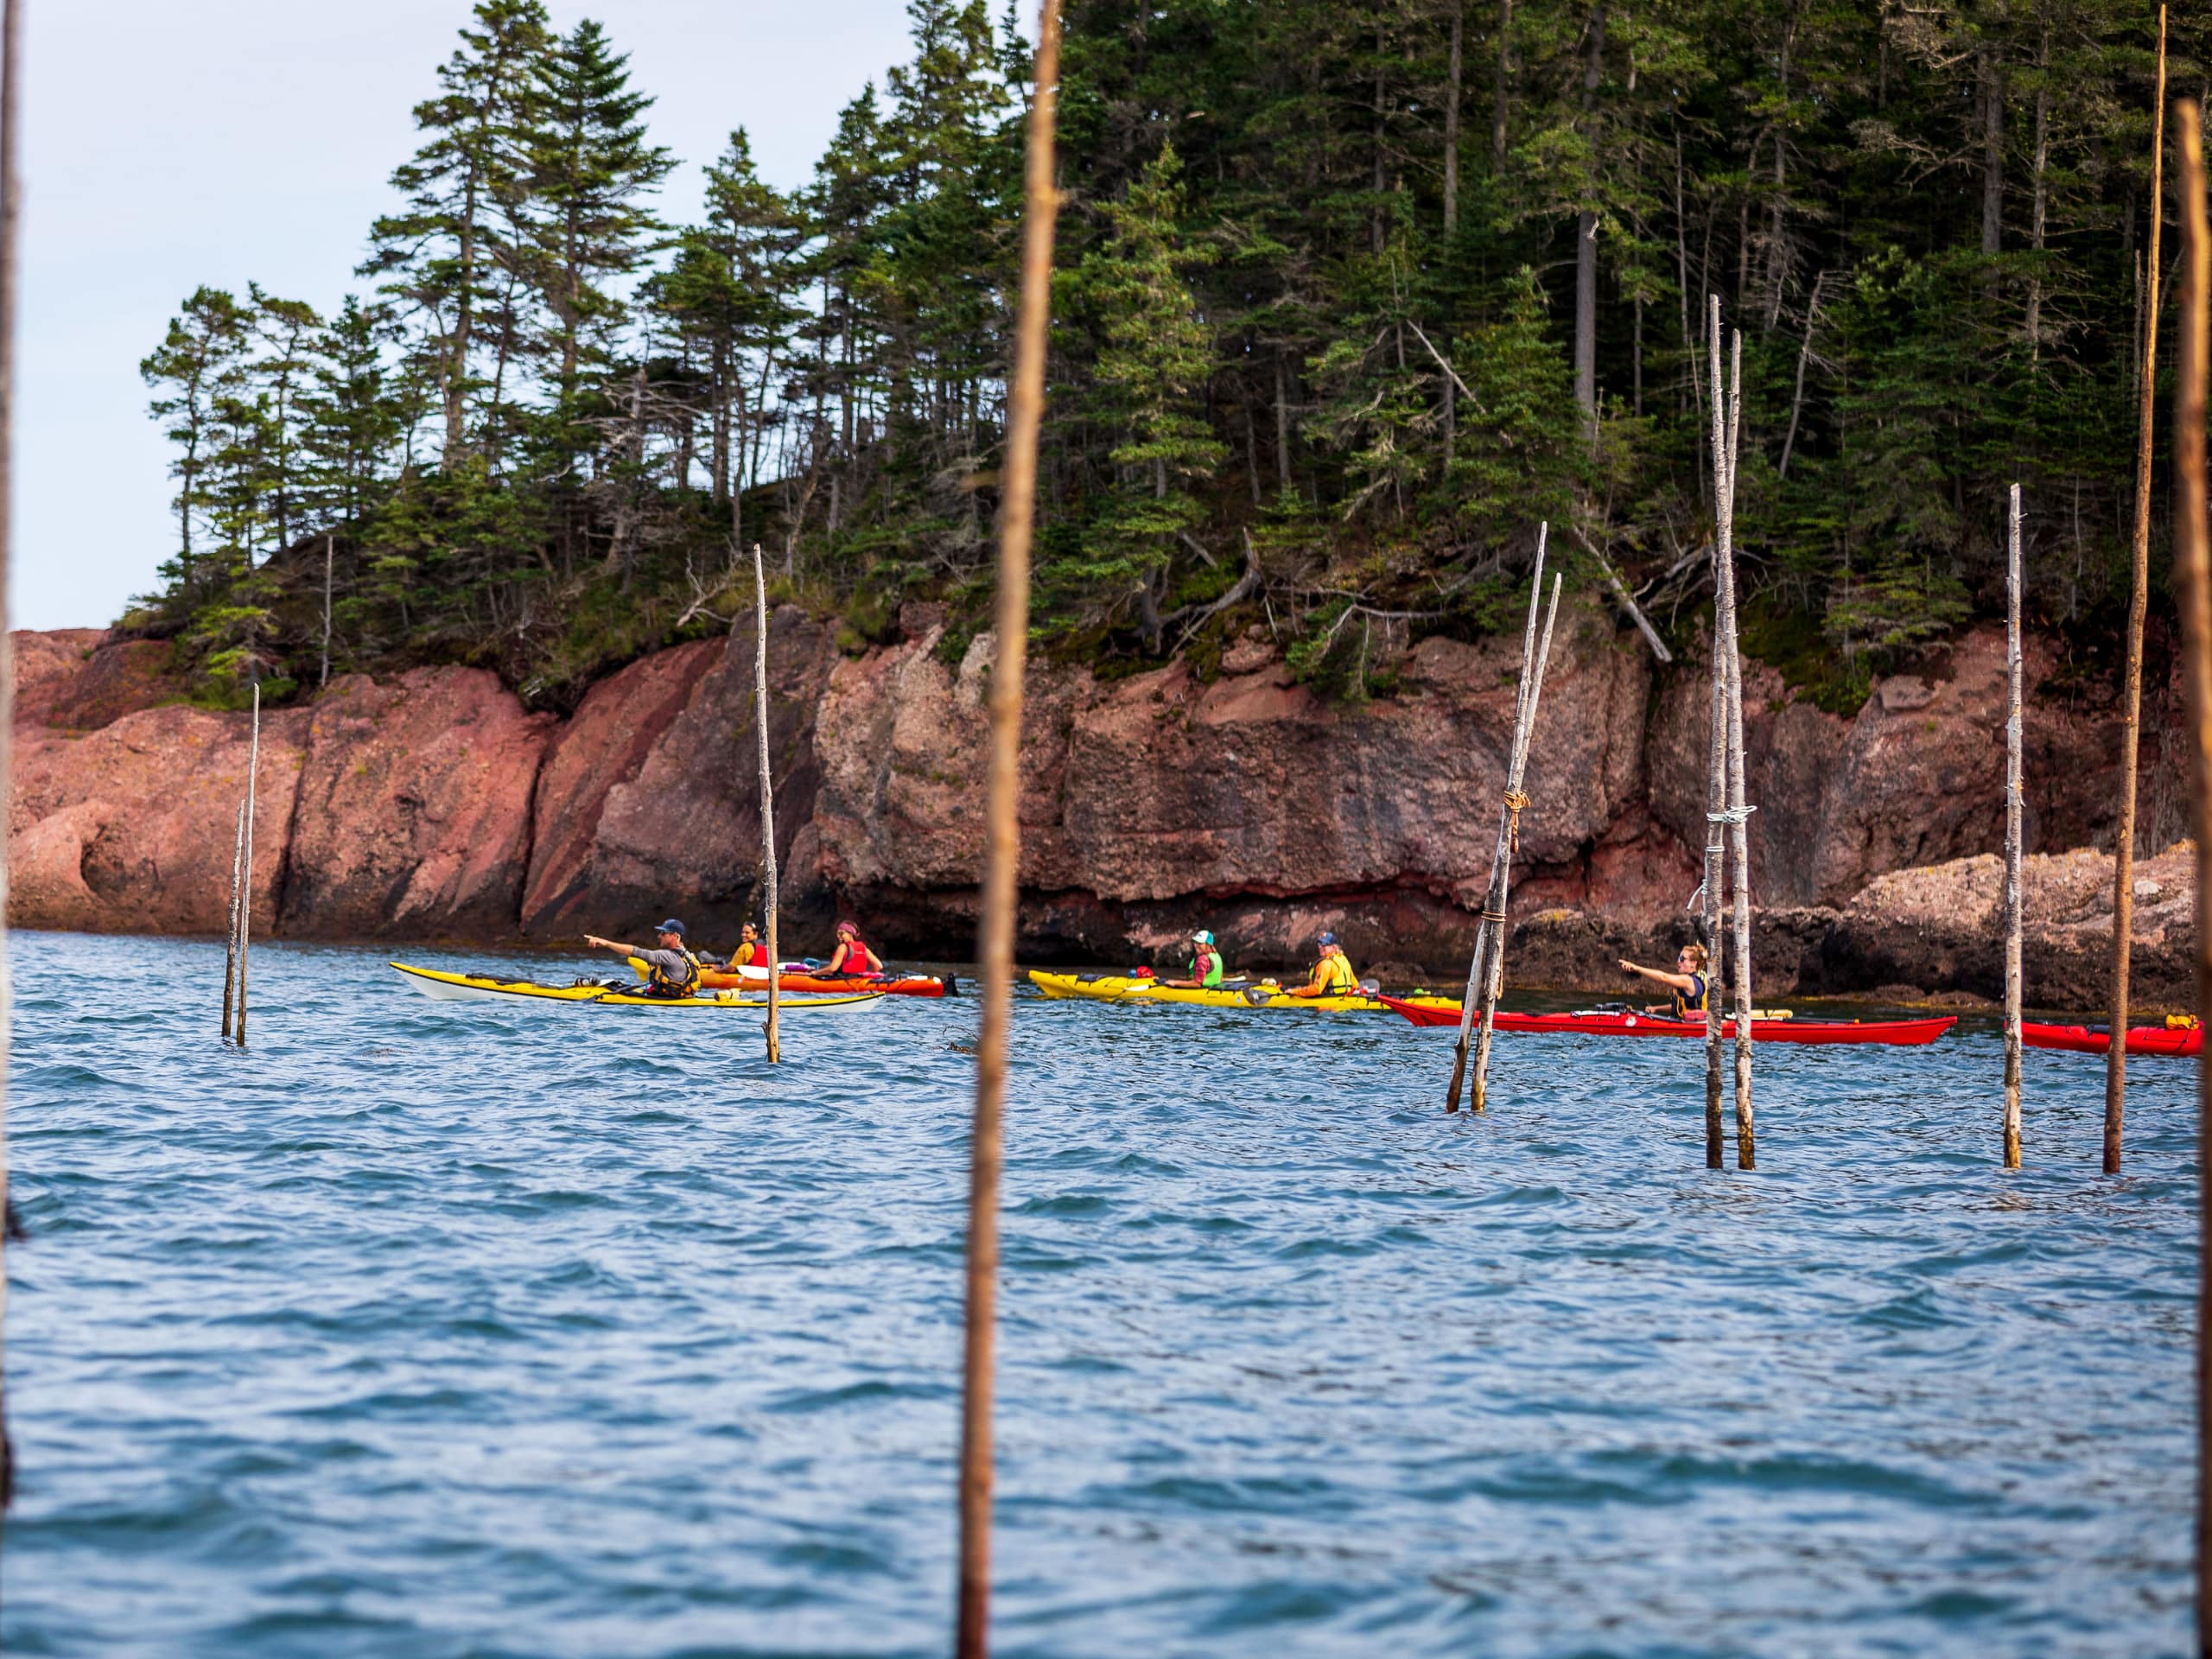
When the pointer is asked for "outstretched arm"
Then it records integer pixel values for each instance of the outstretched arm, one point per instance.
(1659, 976)
(616, 946)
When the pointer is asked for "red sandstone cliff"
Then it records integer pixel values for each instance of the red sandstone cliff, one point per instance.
(435, 807)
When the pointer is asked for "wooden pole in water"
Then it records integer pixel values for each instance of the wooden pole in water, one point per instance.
(2193, 589)
(245, 892)
(1740, 807)
(1517, 802)
(1734, 817)
(2131, 731)
(1716, 808)
(1478, 969)
(231, 938)
(1017, 516)
(767, 794)
(2012, 834)
(11, 58)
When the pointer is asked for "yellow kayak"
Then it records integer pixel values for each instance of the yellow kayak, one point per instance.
(1266, 994)
(481, 987)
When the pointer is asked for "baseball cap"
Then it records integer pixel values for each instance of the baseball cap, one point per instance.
(672, 925)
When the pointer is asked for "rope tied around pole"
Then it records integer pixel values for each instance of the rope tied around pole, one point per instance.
(1498, 916)
(1733, 815)
(1516, 802)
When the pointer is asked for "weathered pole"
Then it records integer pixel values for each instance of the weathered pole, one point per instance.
(1494, 914)
(329, 550)
(2131, 730)
(767, 792)
(231, 938)
(1736, 814)
(11, 58)
(1478, 967)
(2193, 590)
(1017, 516)
(1716, 877)
(1716, 808)
(2012, 834)
(246, 891)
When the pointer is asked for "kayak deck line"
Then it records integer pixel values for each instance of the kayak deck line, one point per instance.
(1127, 988)
(442, 986)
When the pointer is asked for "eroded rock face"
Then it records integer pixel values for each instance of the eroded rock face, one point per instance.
(599, 751)
(1251, 798)
(433, 806)
(414, 814)
(1915, 778)
(681, 833)
(132, 829)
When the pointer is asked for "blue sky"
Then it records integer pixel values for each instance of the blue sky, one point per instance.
(228, 141)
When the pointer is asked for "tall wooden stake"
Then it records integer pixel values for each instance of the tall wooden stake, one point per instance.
(1716, 808)
(329, 552)
(1017, 515)
(2193, 590)
(246, 891)
(1478, 969)
(2012, 835)
(231, 938)
(1716, 877)
(11, 58)
(767, 792)
(1517, 802)
(1736, 814)
(2131, 731)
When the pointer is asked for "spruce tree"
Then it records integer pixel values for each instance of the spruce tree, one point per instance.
(198, 362)
(1152, 366)
(442, 256)
(581, 219)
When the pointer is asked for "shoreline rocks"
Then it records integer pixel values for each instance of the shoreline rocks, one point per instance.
(433, 807)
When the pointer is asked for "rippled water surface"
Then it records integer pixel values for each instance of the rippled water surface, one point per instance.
(428, 1329)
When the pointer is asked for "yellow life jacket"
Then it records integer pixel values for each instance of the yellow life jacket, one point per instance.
(1688, 1003)
(1334, 971)
(659, 984)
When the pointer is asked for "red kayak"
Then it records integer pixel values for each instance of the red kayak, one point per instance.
(1898, 1033)
(2097, 1039)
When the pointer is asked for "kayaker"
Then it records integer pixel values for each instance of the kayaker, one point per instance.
(1332, 974)
(670, 970)
(750, 952)
(1206, 964)
(851, 956)
(1691, 986)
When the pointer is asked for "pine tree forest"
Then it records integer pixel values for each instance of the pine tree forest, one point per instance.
(1349, 297)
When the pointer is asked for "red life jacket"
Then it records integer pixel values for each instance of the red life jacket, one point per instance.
(746, 955)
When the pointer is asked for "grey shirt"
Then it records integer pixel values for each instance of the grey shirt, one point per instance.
(672, 966)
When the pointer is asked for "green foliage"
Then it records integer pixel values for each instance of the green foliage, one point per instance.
(1290, 383)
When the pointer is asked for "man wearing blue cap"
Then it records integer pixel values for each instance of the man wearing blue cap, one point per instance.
(1332, 974)
(670, 970)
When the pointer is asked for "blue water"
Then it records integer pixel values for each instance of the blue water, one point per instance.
(430, 1329)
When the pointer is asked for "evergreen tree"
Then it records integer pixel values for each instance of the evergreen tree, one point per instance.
(1153, 362)
(196, 364)
(443, 254)
(582, 222)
